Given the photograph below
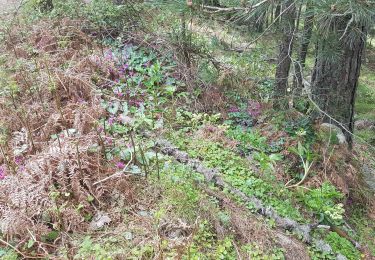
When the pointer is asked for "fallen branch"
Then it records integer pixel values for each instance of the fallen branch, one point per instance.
(213, 175)
(39, 256)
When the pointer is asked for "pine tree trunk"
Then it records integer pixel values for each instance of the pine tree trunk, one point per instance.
(305, 42)
(212, 2)
(285, 52)
(277, 10)
(260, 22)
(307, 33)
(46, 5)
(335, 81)
(271, 14)
(298, 17)
(216, 2)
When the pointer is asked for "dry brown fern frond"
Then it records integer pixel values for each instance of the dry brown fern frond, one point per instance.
(54, 178)
(216, 134)
(52, 186)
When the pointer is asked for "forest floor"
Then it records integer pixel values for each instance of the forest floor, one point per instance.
(7, 5)
(112, 148)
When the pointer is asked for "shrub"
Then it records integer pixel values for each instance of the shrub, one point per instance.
(103, 16)
(323, 202)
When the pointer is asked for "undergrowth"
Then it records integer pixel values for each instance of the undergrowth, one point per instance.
(236, 171)
(343, 246)
(84, 97)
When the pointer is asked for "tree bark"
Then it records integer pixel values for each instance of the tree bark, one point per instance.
(277, 10)
(285, 52)
(260, 22)
(46, 5)
(305, 42)
(335, 80)
(212, 2)
(307, 33)
(298, 16)
(216, 2)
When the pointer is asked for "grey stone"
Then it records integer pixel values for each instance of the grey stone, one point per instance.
(323, 246)
(340, 135)
(368, 173)
(100, 220)
(341, 257)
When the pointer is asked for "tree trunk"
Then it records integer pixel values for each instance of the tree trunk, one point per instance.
(185, 40)
(212, 2)
(277, 10)
(335, 80)
(284, 59)
(216, 2)
(305, 42)
(271, 14)
(46, 5)
(307, 33)
(260, 22)
(298, 16)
